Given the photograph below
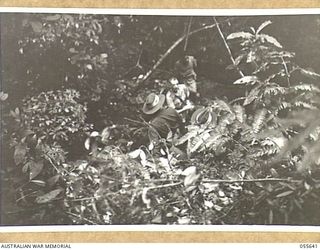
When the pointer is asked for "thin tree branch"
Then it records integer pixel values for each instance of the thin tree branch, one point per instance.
(287, 72)
(188, 31)
(82, 218)
(166, 185)
(172, 47)
(86, 198)
(134, 121)
(137, 65)
(251, 180)
(227, 46)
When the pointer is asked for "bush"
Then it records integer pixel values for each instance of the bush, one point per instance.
(45, 126)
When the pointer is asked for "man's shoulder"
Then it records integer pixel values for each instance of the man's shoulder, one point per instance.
(170, 111)
(167, 114)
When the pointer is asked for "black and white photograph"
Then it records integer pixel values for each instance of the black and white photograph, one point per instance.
(157, 119)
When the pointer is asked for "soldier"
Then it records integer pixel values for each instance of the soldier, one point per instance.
(177, 97)
(163, 120)
(185, 70)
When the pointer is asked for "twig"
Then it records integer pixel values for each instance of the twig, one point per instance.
(22, 211)
(56, 168)
(227, 46)
(85, 198)
(85, 219)
(250, 180)
(188, 31)
(94, 207)
(134, 121)
(287, 72)
(27, 195)
(173, 46)
(137, 65)
(166, 185)
(238, 99)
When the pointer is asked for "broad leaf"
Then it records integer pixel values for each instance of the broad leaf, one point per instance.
(271, 40)
(253, 94)
(284, 194)
(134, 154)
(39, 183)
(189, 170)
(243, 35)
(239, 59)
(263, 25)
(48, 196)
(87, 144)
(142, 155)
(35, 169)
(246, 80)
(20, 153)
(191, 179)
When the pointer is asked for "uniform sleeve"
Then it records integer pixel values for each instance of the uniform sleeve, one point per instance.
(173, 118)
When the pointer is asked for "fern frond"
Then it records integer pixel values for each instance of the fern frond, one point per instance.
(306, 88)
(280, 54)
(283, 105)
(274, 90)
(280, 73)
(259, 119)
(309, 73)
(305, 105)
(271, 151)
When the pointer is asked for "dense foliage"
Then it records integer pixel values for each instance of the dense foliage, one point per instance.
(80, 152)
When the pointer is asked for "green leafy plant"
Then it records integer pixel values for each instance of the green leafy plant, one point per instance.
(44, 126)
(272, 81)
